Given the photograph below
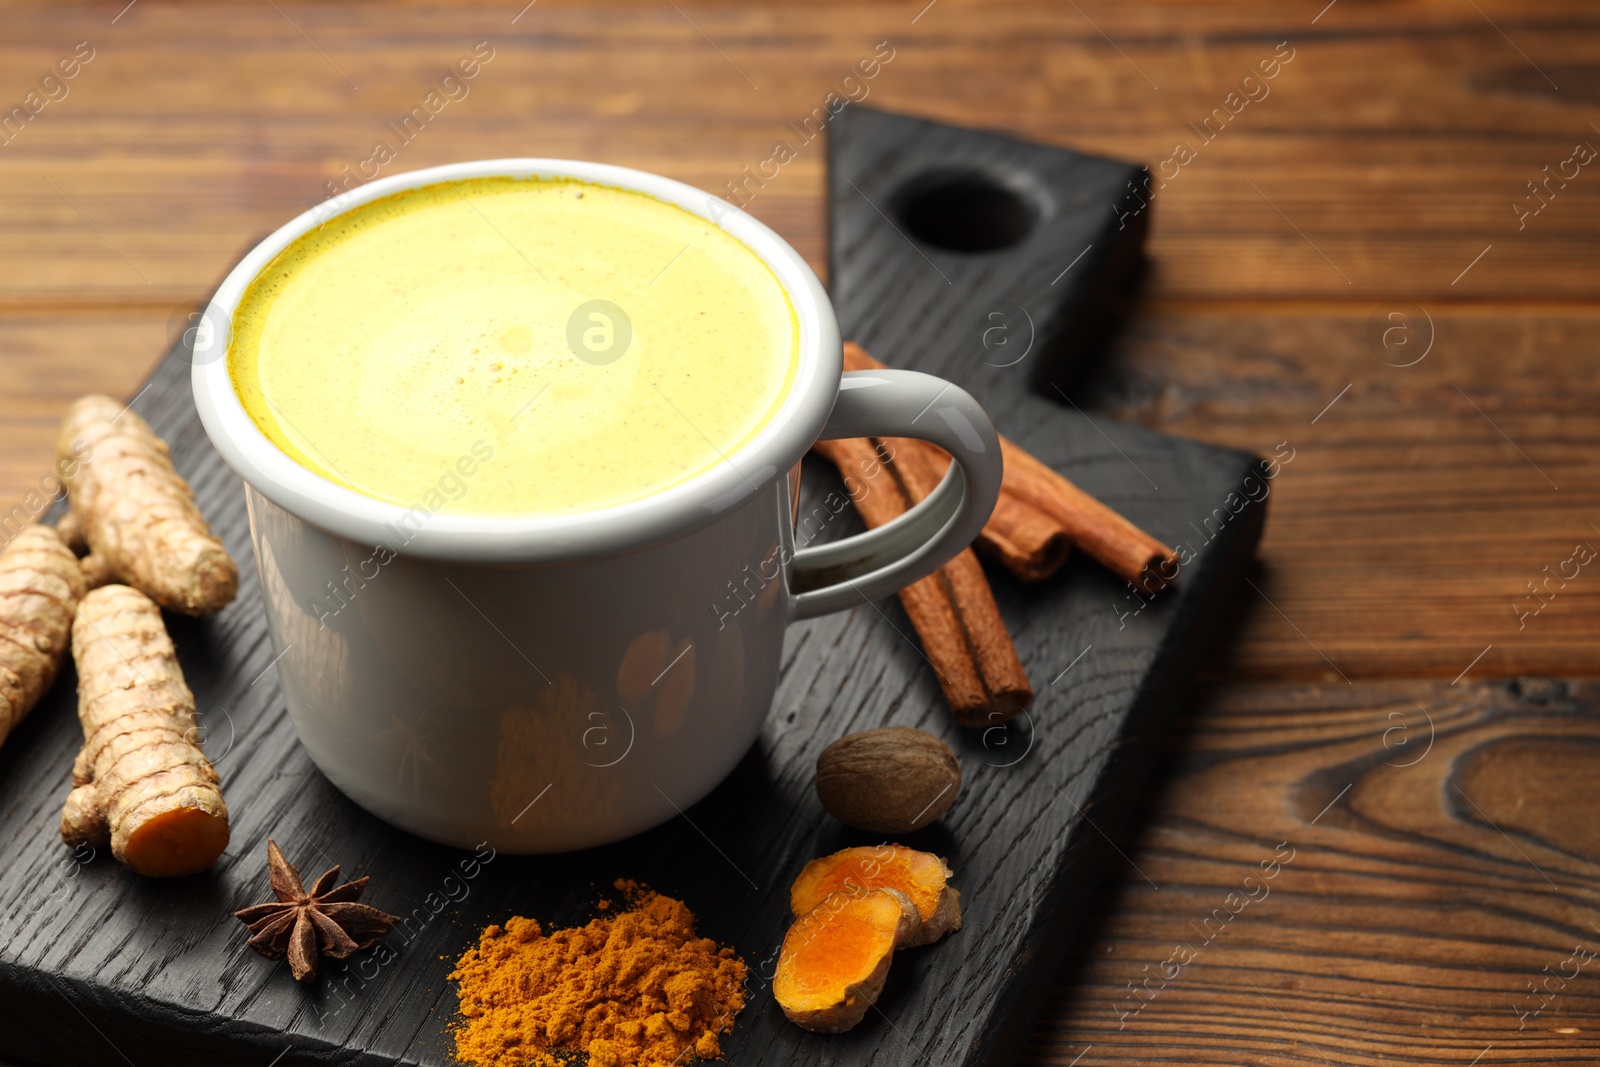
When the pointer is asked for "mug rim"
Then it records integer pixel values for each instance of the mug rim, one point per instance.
(697, 501)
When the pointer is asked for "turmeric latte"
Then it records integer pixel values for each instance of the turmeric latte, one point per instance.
(516, 346)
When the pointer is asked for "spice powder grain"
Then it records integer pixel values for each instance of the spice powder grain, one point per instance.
(634, 988)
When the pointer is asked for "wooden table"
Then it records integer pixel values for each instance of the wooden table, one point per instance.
(1377, 836)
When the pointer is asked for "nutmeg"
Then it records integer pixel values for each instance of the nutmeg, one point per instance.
(888, 781)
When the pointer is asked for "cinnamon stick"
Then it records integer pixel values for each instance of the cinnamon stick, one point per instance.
(1040, 515)
(1113, 541)
(953, 609)
(1022, 538)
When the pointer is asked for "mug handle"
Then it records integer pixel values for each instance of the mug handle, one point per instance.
(902, 403)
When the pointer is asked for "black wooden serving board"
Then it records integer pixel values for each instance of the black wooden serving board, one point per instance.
(98, 965)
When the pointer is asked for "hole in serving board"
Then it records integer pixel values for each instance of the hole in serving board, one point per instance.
(964, 211)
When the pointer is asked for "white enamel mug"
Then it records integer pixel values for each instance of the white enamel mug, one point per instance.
(557, 682)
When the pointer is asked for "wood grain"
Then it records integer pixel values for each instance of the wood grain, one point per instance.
(1396, 146)
(50, 358)
(1444, 860)
(1419, 506)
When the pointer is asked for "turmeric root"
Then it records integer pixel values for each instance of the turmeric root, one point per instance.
(136, 515)
(835, 958)
(140, 781)
(40, 586)
(921, 876)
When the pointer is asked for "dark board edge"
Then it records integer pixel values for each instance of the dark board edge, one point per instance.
(1114, 803)
(184, 1036)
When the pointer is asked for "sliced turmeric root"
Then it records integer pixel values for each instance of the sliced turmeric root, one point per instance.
(835, 958)
(921, 876)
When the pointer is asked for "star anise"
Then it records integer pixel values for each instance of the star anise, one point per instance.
(303, 924)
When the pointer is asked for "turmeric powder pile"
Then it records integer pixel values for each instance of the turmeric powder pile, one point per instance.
(635, 987)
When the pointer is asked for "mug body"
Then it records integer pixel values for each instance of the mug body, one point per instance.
(543, 683)
(539, 707)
